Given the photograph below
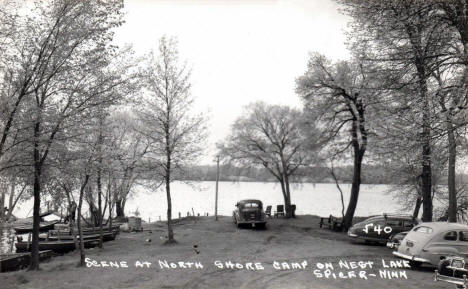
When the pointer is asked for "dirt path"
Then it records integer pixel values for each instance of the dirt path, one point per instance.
(288, 254)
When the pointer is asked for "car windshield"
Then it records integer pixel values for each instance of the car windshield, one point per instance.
(423, 229)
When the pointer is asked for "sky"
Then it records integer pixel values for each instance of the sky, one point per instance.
(239, 51)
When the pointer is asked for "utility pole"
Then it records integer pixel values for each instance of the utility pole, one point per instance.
(217, 180)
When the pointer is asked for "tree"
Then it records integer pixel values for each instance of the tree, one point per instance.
(126, 149)
(271, 136)
(67, 86)
(409, 46)
(175, 133)
(341, 95)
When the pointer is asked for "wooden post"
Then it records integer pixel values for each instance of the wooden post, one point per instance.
(179, 215)
(188, 214)
(193, 212)
(217, 180)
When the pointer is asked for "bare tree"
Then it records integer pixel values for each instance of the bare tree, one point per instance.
(271, 136)
(175, 133)
(341, 95)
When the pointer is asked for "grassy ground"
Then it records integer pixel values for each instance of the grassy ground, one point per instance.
(206, 241)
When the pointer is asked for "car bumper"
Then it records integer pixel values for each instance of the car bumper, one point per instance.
(453, 280)
(410, 258)
(251, 222)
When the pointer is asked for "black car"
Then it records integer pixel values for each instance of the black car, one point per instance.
(382, 228)
(453, 270)
(249, 212)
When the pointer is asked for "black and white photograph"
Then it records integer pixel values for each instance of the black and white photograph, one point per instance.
(233, 144)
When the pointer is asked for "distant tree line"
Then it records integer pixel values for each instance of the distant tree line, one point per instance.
(229, 173)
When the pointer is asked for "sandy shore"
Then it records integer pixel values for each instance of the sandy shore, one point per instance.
(288, 254)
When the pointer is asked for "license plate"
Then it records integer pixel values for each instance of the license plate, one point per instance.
(458, 263)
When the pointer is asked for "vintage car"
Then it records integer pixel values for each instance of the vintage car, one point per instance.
(381, 228)
(428, 243)
(454, 270)
(249, 212)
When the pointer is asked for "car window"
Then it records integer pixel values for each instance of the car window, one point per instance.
(394, 223)
(251, 205)
(423, 229)
(464, 236)
(379, 222)
(450, 236)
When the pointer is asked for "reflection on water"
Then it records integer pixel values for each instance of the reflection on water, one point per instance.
(7, 239)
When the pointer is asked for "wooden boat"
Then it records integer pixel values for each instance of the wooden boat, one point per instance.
(56, 246)
(44, 226)
(107, 236)
(17, 261)
(86, 231)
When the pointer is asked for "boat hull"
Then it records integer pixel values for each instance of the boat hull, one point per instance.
(17, 261)
(55, 246)
(106, 237)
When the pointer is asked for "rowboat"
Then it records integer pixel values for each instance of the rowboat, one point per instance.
(107, 236)
(44, 226)
(85, 232)
(56, 246)
(16, 261)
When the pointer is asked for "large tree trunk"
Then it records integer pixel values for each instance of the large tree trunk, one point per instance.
(37, 202)
(99, 189)
(4, 188)
(452, 209)
(417, 206)
(99, 184)
(287, 201)
(80, 229)
(426, 184)
(119, 209)
(426, 175)
(170, 232)
(358, 154)
(355, 187)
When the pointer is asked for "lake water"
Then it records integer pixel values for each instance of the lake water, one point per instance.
(316, 199)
